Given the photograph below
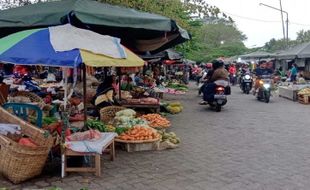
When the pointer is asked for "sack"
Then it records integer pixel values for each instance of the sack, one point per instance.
(227, 90)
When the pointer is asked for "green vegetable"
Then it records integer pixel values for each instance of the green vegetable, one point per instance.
(94, 124)
(49, 120)
(120, 130)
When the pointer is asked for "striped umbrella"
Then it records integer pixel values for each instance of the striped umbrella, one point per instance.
(65, 46)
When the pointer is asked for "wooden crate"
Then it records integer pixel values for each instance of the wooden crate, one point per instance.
(137, 147)
(304, 99)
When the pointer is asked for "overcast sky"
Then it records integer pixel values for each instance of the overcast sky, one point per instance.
(260, 23)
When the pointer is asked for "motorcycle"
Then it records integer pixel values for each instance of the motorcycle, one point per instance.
(246, 83)
(264, 89)
(233, 79)
(219, 99)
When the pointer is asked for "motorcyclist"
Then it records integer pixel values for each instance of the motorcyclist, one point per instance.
(232, 73)
(259, 72)
(217, 76)
(205, 77)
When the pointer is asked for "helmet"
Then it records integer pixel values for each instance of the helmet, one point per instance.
(217, 64)
(209, 65)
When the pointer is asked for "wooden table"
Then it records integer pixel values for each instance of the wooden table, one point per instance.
(110, 148)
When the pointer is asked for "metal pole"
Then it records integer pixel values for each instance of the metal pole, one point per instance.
(287, 28)
(84, 92)
(282, 11)
(283, 27)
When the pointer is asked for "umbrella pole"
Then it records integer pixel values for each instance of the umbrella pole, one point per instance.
(119, 84)
(84, 93)
(65, 78)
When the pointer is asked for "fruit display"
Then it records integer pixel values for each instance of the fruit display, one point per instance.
(94, 124)
(170, 137)
(139, 133)
(174, 107)
(305, 91)
(156, 120)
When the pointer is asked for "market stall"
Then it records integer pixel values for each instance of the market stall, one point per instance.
(40, 44)
(290, 91)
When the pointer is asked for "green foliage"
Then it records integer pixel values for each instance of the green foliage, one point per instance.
(303, 36)
(6, 4)
(276, 45)
(218, 39)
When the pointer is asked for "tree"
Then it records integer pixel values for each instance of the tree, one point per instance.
(6, 4)
(303, 36)
(276, 45)
(220, 39)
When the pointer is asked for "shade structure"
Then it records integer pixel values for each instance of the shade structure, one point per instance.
(140, 31)
(39, 47)
(299, 51)
(257, 55)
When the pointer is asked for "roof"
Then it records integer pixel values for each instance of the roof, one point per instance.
(258, 55)
(299, 51)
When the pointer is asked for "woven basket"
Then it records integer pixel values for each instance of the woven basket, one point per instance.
(107, 114)
(19, 163)
(32, 96)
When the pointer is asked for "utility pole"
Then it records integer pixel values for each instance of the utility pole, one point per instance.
(282, 11)
(283, 27)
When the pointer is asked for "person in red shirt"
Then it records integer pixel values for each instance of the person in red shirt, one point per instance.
(232, 74)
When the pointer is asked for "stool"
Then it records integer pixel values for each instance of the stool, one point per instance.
(110, 148)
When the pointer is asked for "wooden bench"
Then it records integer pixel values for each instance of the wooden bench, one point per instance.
(109, 148)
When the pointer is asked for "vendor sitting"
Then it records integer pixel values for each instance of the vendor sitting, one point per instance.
(19, 72)
(105, 94)
(127, 84)
(138, 79)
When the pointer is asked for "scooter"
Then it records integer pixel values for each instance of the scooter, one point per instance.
(233, 79)
(246, 83)
(264, 90)
(220, 98)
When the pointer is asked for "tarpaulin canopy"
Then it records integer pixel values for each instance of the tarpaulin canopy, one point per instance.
(42, 47)
(140, 31)
(299, 51)
(257, 55)
(167, 54)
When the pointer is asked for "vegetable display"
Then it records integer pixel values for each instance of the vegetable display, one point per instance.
(174, 107)
(169, 137)
(176, 86)
(139, 133)
(94, 124)
(49, 120)
(305, 91)
(126, 119)
(156, 120)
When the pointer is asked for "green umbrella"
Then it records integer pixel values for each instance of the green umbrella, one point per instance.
(150, 31)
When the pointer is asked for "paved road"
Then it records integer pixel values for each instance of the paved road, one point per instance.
(249, 145)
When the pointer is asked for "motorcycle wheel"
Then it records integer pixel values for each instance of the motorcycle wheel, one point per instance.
(218, 108)
(247, 91)
(267, 97)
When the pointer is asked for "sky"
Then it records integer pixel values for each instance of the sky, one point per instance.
(260, 23)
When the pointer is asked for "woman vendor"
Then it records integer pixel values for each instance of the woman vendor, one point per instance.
(127, 83)
(105, 94)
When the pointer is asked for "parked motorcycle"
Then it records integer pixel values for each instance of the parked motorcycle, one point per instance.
(264, 90)
(246, 83)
